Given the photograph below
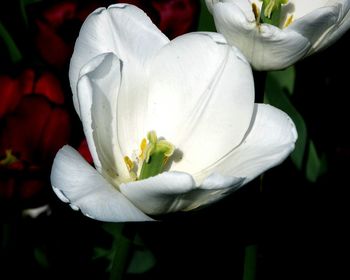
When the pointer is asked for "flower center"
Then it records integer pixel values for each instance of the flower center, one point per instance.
(271, 13)
(154, 155)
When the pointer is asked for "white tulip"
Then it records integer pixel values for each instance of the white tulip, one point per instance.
(196, 92)
(306, 27)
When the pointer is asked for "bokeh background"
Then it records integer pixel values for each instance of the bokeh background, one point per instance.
(280, 226)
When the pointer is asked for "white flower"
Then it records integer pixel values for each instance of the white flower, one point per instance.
(306, 27)
(195, 92)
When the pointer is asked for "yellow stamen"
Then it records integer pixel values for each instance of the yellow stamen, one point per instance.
(288, 21)
(129, 163)
(256, 12)
(143, 147)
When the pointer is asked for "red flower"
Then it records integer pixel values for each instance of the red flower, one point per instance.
(58, 28)
(59, 23)
(33, 127)
(177, 17)
(173, 17)
(83, 149)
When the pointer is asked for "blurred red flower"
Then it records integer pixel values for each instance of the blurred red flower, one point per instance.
(58, 25)
(33, 126)
(83, 149)
(173, 17)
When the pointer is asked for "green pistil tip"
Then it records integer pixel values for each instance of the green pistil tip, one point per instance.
(156, 155)
(271, 11)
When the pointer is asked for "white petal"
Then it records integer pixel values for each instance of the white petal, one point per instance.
(213, 188)
(216, 181)
(177, 191)
(85, 105)
(270, 139)
(210, 4)
(74, 180)
(302, 7)
(325, 25)
(343, 25)
(98, 91)
(265, 46)
(316, 25)
(121, 29)
(160, 194)
(201, 99)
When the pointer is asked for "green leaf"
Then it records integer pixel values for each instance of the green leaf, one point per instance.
(13, 50)
(275, 94)
(114, 229)
(315, 165)
(138, 241)
(285, 78)
(206, 20)
(41, 258)
(141, 262)
(102, 253)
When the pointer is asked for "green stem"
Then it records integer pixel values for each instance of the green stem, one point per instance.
(15, 54)
(123, 246)
(250, 260)
(120, 258)
(6, 236)
(23, 6)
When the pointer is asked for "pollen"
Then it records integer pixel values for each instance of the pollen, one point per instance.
(256, 12)
(288, 21)
(129, 163)
(143, 147)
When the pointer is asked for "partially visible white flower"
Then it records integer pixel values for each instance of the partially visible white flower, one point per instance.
(195, 92)
(306, 27)
(36, 212)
